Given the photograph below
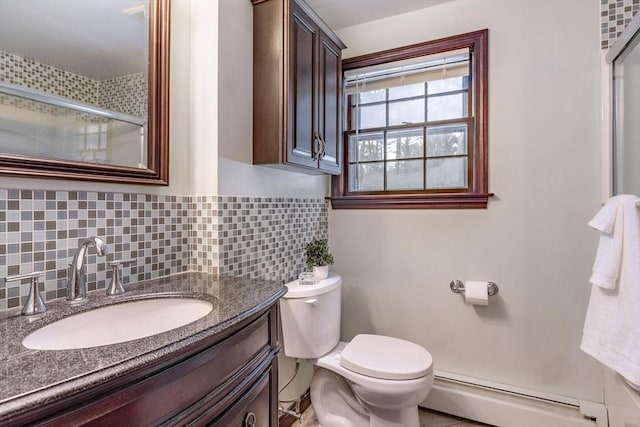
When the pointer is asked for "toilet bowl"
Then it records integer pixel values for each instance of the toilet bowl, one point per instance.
(373, 380)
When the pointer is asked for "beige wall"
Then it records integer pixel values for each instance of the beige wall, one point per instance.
(532, 240)
(202, 87)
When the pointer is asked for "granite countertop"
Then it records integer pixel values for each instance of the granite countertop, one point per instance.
(32, 377)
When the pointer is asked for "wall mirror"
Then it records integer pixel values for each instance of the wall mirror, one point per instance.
(624, 57)
(84, 89)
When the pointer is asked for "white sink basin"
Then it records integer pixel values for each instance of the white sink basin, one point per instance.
(117, 323)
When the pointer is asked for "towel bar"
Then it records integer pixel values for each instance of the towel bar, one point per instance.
(457, 286)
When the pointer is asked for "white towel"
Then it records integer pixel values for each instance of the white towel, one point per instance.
(611, 333)
(606, 268)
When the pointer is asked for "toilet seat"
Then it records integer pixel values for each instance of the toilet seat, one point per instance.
(386, 358)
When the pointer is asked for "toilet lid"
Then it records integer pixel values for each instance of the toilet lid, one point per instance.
(386, 358)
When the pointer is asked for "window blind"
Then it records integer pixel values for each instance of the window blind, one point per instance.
(416, 70)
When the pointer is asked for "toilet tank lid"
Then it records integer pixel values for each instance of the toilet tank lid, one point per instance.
(296, 290)
(386, 358)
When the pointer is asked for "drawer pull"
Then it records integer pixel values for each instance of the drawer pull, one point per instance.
(250, 420)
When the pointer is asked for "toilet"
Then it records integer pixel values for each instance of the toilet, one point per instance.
(373, 380)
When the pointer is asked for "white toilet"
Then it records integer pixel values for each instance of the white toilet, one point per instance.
(373, 380)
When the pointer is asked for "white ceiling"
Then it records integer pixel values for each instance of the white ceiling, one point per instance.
(339, 14)
(94, 38)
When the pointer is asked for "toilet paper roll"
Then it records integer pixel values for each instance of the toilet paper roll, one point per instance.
(476, 292)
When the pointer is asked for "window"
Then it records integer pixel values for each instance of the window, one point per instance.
(416, 127)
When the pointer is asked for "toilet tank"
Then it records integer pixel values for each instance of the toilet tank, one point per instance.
(311, 317)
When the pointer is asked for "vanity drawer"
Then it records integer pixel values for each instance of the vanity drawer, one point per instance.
(201, 384)
(252, 410)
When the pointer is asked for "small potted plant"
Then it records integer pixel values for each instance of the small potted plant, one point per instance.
(318, 257)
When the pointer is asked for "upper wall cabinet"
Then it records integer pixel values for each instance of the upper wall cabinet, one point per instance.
(297, 88)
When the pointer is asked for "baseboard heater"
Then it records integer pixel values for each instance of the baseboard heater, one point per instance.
(505, 406)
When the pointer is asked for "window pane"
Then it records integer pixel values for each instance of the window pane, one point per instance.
(406, 143)
(447, 173)
(366, 177)
(365, 147)
(406, 112)
(407, 91)
(446, 140)
(405, 175)
(92, 141)
(446, 107)
(373, 116)
(372, 96)
(446, 85)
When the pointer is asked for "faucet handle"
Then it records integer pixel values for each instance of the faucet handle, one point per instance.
(115, 287)
(34, 303)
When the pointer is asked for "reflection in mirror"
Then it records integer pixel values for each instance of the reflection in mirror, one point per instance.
(83, 88)
(627, 128)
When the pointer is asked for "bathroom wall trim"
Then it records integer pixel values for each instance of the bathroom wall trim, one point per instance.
(606, 134)
(502, 407)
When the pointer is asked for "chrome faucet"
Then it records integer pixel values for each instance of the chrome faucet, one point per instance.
(77, 280)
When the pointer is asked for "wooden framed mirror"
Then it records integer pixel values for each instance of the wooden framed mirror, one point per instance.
(93, 108)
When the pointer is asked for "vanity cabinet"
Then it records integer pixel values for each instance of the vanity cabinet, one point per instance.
(297, 88)
(228, 380)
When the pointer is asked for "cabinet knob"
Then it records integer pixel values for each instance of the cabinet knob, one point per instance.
(250, 420)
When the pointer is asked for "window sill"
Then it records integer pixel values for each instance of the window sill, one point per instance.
(413, 201)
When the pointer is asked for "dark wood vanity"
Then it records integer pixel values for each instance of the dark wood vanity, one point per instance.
(224, 375)
(221, 381)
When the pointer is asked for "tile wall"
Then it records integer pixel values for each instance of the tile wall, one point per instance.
(265, 237)
(238, 236)
(614, 17)
(203, 235)
(35, 75)
(40, 231)
(127, 94)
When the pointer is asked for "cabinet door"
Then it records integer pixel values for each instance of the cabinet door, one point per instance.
(330, 105)
(302, 114)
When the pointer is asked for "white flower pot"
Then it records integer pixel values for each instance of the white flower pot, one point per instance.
(321, 272)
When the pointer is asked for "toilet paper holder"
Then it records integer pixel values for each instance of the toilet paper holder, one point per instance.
(457, 286)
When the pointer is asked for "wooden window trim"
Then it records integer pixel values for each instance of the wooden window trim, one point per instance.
(476, 196)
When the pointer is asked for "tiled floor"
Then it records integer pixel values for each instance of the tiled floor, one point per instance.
(427, 419)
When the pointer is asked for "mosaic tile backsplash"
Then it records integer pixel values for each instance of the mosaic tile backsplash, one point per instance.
(614, 18)
(237, 236)
(40, 231)
(203, 235)
(265, 237)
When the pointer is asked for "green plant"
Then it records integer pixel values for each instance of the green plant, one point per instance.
(317, 252)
